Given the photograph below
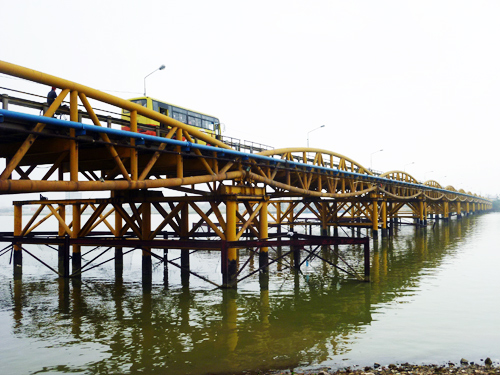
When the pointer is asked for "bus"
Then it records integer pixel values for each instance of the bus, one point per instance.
(203, 122)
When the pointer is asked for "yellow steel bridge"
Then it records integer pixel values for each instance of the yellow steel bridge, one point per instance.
(234, 193)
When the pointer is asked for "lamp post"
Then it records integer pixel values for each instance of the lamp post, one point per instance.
(319, 127)
(372, 155)
(404, 168)
(160, 68)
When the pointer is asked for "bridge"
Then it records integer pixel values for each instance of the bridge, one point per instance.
(249, 197)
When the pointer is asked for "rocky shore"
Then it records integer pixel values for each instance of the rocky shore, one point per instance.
(464, 367)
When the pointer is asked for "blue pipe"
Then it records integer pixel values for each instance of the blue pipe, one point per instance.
(83, 128)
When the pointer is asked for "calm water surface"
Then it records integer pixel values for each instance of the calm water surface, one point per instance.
(433, 299)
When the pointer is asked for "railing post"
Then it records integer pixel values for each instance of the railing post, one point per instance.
(5, 102)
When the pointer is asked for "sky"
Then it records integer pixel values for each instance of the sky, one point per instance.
(419, 80)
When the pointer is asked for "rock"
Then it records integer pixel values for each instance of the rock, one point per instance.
(488, 361)
(463, 361)
(376, 365)
(368, 368)
(392, 366)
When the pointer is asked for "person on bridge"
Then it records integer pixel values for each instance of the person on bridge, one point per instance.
(51, 96)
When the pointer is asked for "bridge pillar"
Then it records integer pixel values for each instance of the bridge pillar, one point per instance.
(324, 224)
(366, 252)
(185, 264)
(263, 235)
(459, 210)
(64, 249)
(76, 259)
(165, 268)
(390, 219)
(375, 219)
(421, 212)
(231, 269)
(446, 211)
(384, 218)
(18, 255)
(335, 220)
(296, 257)
(147, 264)
(118, 249)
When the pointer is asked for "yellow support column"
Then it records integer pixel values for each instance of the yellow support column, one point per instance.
(73, 144)
(459, 210)
(134, 163)
(425, 212)
(180, 166)
(375, 218)
(263, 235)
(231, 261)
(18, 255)
(421, 212)
(446, 210)
(384, 218)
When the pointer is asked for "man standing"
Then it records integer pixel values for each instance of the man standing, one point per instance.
(51, 96)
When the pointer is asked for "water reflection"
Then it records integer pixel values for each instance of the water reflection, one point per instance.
(292, 319)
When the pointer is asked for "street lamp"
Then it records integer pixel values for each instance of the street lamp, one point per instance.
(322, 126)
(404, 169)
(160, 68)
(372, 155)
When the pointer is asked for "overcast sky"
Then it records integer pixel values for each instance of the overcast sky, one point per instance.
(418, 79)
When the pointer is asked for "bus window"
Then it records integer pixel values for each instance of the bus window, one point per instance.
(155, 106)
(142, 102)
(207, 125)
(179, 117)
(194, 121)
(164, 111)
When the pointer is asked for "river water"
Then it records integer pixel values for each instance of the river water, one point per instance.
(433, 299)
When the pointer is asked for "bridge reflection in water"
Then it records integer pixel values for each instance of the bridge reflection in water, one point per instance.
(105, 327)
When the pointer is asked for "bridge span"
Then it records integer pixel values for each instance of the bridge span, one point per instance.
(240, 199)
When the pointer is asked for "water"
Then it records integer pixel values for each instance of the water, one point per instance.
(432, 299)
